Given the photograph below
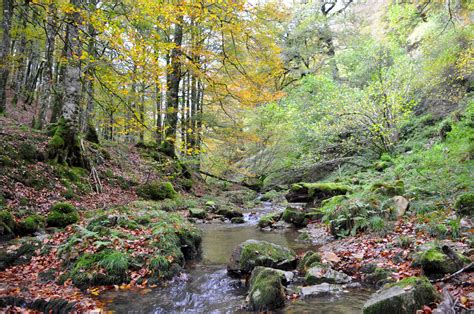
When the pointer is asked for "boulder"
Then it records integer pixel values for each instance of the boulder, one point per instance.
(295, 216)
(405, 296)
(229, 212)
(401, 205)
(376, 276)
(437, 261)
(321, 273)
(266, 291)
(323, 289)
(309, 259)
(237, 220)
(197, 213)
(252, 253)
(268, 220)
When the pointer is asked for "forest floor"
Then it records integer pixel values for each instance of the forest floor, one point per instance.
(31, 185)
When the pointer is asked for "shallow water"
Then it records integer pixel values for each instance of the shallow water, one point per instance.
(205, 287)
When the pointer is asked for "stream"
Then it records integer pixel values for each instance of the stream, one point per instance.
(205, 287)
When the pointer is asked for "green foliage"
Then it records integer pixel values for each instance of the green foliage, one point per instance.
(157, 191)
(62, 214)
(7, 223)
(31, 224)
(465, 203)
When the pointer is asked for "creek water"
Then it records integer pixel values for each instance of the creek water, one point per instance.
(205, 287)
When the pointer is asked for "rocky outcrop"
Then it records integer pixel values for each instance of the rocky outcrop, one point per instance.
(321, 273)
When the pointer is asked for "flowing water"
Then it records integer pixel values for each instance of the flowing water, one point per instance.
(205, 287)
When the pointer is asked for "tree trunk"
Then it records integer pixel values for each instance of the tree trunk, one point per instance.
(5, 51)
(47, 79)
(65, 141)
(172, 95)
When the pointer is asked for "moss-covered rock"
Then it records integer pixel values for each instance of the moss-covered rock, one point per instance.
(266, 291)
(229, 212)
(295, 216)
(271, 196)
(391, 188)
(315, 192)
(321, 273)
(465, 204)
(436, 263)
(382, 165)
(405, 296)
(252, 253)
(7, 225)
(237, 220)
(377, 276)
(62, 214)
(268, 220)
(309, 259)
(31, 224)
(197, 213)
(157, 191)
(107, 267)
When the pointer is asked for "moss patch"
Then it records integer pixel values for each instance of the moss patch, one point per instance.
(294, 216)
(465, 204)
(268, 220)
(31, 224)
(157, 191)
(309, 259)
(7, 224)
(62, 214)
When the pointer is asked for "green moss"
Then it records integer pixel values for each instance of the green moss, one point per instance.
(31, 224)
(157, 191)
(435, 263)
(327, 188)
(197, 213)
(62, 214)
(465, 204)
(58, 131)
(262, 253)
(271, 195)
(7, 224)
(407, 296)
(392, 188)
(309, 260)
(27, 151)
(229, 212)
(268, 220)
(266, 291)
(294, 216)
(107, 267)
(237, 220)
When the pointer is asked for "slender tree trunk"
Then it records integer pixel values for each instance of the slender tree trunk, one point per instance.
(47, 77)
(5, 51)
(172, 97)
(20, 73)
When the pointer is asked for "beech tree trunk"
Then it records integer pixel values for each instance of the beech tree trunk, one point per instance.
(172, 95)
(5, 51)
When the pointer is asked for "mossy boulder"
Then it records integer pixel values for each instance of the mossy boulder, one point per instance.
(405, 296)
(252, 253)
(321, 273)
(31, 224)
(377, 276)
(436, 263)
(390, 188)
(465, 204)
(62, 214)
(315, 192)
(271, 196)
(157, 191)
(266, 291)
(107, 267)
(229, 212)
(7, 225)
(308, 260)
(237, 220)
(197, 213)
(268, 220)
(295, 216)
